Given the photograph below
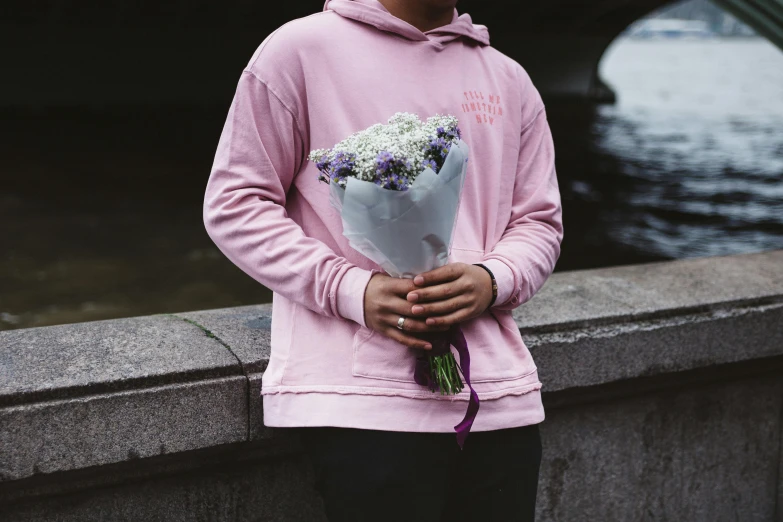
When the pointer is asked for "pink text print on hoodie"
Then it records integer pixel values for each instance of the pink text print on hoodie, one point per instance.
(311, 83)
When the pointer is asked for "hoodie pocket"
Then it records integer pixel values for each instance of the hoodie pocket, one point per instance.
(497, 352)
(375, 356)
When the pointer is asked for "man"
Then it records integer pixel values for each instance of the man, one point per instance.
(344, 335)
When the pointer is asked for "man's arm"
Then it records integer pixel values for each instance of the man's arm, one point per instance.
(259, 153)
(525, 256)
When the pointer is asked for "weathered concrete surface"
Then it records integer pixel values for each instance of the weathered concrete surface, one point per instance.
(247, 330)
(706, 453)
(779, 503)
(80, 395)
(601, 355)
(102, 429)
(275, 490)
(71, 360)
(634, 292)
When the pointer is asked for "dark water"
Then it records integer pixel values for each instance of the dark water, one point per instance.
(689, 162)
(100, 212)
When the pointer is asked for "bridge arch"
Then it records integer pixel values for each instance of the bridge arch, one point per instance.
(143, 52)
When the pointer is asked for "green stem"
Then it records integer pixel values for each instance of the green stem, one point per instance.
(450, 371)
(436, 374)
(444, 380)
(455, 375)
(445, 370)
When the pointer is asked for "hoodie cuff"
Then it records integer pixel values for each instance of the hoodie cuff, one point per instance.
(504, 278)
(350, 294)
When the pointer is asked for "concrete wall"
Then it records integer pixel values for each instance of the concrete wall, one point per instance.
(663, 385)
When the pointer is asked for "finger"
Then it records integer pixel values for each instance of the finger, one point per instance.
(439, 292)
(407, 340)
(399, 286)
(411, 324)
(441, 274)
(451, 319)
(442, 307)
(417, 325)
(397, 306)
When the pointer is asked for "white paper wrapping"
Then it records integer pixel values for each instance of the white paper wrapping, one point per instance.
(409, 232)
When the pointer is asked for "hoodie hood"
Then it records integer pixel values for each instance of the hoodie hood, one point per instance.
(373, 12)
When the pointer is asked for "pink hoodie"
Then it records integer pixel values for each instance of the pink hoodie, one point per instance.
(311, 83)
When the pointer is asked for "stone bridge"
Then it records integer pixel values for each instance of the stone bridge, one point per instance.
(65, 52)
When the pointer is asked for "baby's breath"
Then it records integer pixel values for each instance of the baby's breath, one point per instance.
(391, 154)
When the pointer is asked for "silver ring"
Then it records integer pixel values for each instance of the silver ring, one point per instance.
(400, 322)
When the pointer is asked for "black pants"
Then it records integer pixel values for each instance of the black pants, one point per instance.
(374, 476)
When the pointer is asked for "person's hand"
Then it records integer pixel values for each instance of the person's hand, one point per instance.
(384, 303)
(451, 294)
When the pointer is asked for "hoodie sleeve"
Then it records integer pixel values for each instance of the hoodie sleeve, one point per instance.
(526, 253)
(259, 152)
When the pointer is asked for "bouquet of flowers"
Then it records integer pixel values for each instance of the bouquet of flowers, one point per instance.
(397, 187)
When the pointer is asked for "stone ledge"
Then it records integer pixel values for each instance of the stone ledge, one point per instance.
(90, 394)
(73, 360)
(634, 292)
(597, 356)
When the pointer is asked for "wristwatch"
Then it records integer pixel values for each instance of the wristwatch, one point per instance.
(494, 284)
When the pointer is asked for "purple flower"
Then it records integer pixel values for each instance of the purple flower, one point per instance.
(396, 182)
(435, 152)
(341, 166)
(323, 163)
(443, 147)
(450, 134)
(392, 173)
(323, 167)
(384, 162)
(429, 163)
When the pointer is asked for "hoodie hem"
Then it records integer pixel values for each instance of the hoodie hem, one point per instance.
(419, 393)
(290, 409)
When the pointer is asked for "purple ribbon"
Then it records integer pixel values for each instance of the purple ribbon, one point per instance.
(422, 375)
